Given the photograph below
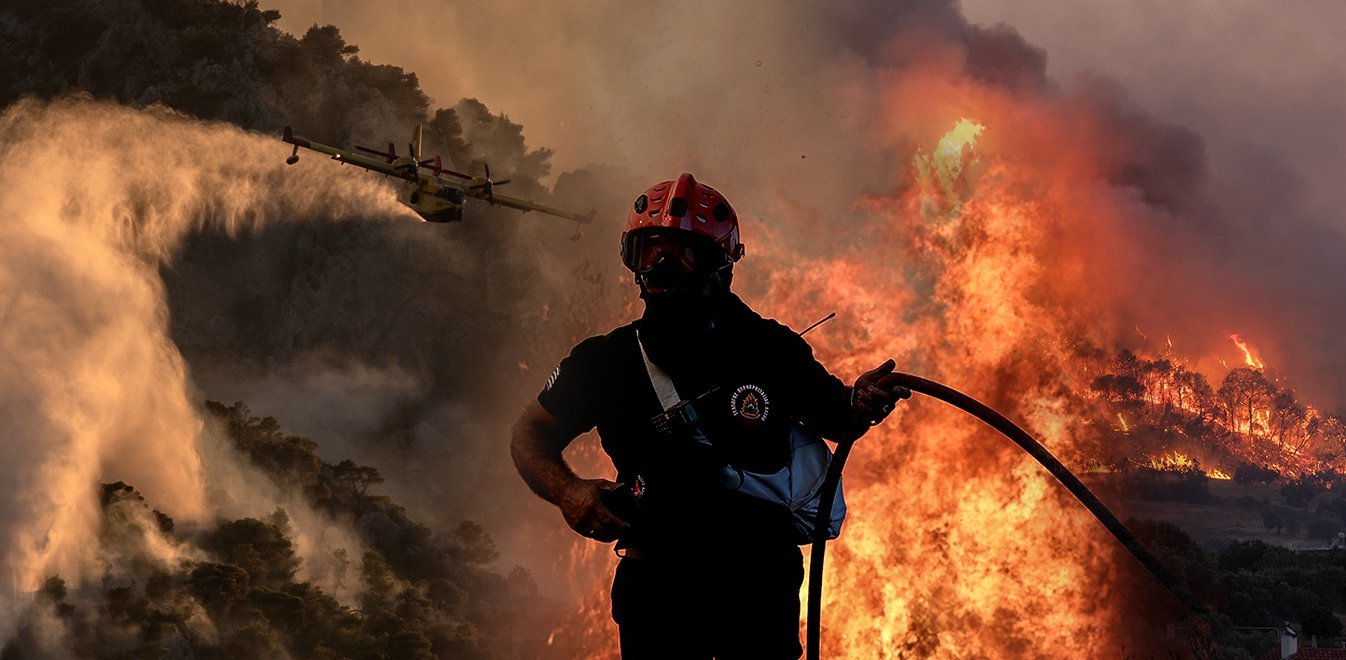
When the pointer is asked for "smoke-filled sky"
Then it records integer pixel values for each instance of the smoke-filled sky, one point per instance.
(775, 102)
(1249, 76)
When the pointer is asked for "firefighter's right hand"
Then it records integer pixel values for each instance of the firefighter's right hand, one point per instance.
(876, 392)
(582, 506)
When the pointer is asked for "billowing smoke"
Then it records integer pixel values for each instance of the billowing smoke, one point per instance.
(98, 198)
(794, 111)
(1265, 106)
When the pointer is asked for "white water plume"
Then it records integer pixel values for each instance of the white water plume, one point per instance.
(95, 198)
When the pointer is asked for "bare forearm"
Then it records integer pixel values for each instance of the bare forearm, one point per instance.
(546, 473)
(536, 447)
(536, 450)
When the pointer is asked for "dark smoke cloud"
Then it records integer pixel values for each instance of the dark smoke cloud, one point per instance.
(1261, 85)
(1246, 74)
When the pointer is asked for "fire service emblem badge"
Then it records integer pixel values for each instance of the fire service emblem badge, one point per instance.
(749, 405)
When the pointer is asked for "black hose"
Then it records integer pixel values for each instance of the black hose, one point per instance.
(827, 495)
(1026, 442)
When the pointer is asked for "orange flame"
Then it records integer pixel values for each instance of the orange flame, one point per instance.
(992, 549)
(1173, 461)
(1248, 356)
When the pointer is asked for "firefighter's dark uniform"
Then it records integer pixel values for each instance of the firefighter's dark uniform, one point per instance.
(708, 572)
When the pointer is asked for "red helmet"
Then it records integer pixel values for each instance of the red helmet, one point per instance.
(683, 205)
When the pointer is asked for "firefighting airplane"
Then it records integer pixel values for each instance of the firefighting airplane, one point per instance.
(427, 187)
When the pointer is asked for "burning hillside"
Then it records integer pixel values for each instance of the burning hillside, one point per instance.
(1172, 419)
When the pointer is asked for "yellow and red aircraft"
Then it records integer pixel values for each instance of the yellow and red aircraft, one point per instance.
(433, 191)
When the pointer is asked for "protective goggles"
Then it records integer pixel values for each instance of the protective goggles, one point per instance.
(643, 250)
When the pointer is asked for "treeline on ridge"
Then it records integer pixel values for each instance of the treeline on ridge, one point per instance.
(234, 592)
(226, 61)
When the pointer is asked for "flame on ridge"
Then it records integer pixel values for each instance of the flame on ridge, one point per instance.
(1248, 357)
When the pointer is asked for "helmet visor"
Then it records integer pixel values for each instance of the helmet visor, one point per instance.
(644, 249)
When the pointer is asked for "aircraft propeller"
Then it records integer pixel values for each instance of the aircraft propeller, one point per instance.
(488, 185)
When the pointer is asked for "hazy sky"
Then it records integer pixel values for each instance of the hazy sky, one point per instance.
(1248, 75)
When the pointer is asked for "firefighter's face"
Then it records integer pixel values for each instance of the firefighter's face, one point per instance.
(669, 276)
(673, 260)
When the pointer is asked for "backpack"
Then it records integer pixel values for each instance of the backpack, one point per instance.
(795, 487)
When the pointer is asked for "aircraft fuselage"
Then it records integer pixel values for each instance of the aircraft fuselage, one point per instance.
(433, 203)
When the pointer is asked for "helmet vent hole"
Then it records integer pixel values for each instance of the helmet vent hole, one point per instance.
(678, 207)
(704, 205)
(654, 213)
(702, 218)
(721, 212)
(641, 203)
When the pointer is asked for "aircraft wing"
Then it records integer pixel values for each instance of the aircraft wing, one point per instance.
(351, 157)
(525, 205)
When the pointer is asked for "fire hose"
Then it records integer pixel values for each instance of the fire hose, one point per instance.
(995, 420)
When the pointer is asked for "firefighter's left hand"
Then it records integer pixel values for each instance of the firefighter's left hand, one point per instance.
(876, 392)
